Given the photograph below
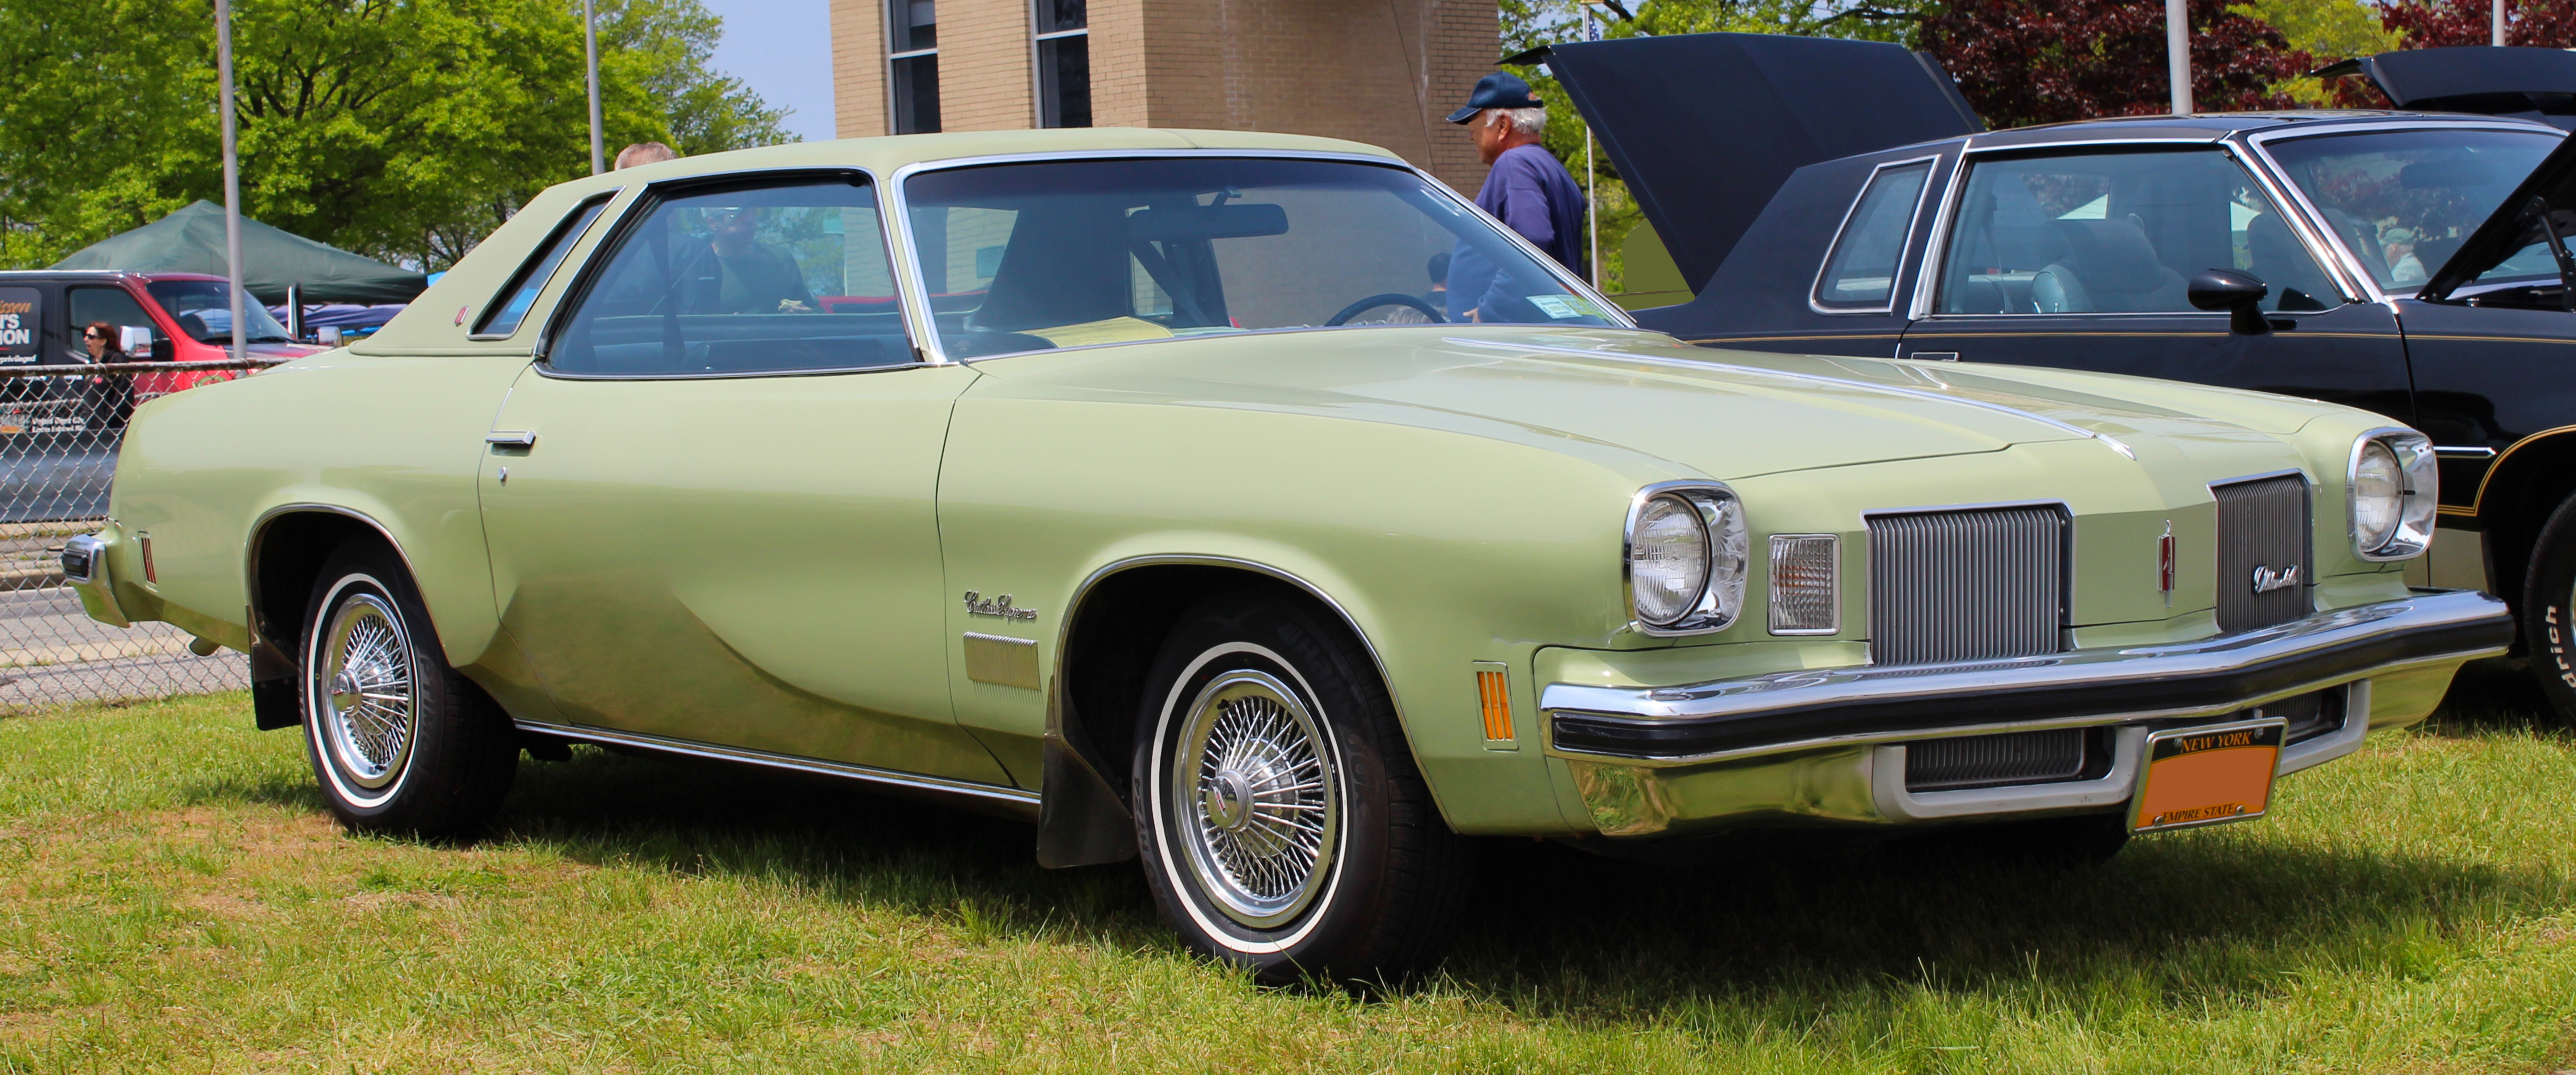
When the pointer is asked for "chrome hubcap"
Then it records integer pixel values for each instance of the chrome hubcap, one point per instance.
(365, 681)
(1260, 799)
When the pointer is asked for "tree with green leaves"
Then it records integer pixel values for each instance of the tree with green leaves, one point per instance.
(401, 129)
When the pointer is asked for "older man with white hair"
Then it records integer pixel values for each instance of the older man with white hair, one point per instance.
(1527, 189)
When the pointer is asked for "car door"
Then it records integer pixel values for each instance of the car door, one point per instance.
(711, 503)
(2079, 258)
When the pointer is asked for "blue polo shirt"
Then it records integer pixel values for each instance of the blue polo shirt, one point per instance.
(1533, 194)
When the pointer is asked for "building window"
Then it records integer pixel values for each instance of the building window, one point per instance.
(913, 48)
(1064, 63)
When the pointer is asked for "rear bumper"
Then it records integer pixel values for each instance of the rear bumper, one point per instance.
(1829, 743)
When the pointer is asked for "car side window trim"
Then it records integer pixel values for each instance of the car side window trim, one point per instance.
(1905, 243)
(541, 265)
(1931, 273)
(640, 213)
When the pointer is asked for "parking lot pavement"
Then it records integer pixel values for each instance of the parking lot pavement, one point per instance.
(50, 651)
(56, 479)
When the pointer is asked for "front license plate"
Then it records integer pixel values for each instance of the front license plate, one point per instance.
(2209, 775)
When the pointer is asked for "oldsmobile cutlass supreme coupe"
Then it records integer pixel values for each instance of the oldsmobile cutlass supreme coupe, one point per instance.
(1130, 483)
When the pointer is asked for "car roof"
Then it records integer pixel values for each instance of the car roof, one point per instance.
(883, 156)
(34, 275)
(2212, 126)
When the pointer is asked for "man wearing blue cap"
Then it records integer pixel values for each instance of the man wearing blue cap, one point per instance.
(1527, 189)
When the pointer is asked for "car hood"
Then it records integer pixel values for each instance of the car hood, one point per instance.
(2523, 83)
(1616, 395)
(1706, 127)
(2515, 224)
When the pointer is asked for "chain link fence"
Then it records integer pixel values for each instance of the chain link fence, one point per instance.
(59, 430)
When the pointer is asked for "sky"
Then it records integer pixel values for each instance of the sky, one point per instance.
(782, 49)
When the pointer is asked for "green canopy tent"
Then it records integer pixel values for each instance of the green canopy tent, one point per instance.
(192, 240)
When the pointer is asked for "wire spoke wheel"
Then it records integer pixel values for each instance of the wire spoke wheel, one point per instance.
(363, 691)
(1256, 798)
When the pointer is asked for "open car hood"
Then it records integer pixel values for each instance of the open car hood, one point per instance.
(2516, 222)
(1705, 127)
(2522, 83)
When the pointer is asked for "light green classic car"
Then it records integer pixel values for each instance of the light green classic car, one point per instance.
(1162, 489)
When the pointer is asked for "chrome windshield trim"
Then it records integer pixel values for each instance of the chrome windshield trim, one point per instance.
(898, 217)
(1807, 378)
(1011, 801)
(2074, 689)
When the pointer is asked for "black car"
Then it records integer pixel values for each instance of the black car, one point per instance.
(1846, 200)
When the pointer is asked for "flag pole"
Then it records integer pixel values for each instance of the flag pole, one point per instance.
(590, 55)
(232, 175)
(2178, 54)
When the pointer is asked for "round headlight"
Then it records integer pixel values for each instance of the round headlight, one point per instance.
(2378, 496)
(1668, 560)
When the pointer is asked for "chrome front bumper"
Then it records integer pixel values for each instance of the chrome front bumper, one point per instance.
(85, 569)
(1828, 743)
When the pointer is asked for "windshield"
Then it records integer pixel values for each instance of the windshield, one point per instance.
(1024, 257)
(206, 315)
(2403, 201)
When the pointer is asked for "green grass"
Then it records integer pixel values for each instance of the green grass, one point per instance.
(174, 898)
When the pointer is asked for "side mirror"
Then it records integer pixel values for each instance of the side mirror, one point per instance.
(134, 340)
(2240, 294)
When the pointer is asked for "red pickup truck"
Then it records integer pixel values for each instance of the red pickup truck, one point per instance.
(43, 312)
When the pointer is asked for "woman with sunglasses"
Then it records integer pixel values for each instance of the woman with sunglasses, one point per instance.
(108, 400)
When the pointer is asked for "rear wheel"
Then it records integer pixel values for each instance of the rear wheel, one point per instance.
(1283, 824)
(400, 742)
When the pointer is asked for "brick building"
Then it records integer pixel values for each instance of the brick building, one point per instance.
(1386, 72)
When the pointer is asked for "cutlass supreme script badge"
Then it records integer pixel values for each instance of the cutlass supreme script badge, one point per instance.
(2267, 579)
(976, 605)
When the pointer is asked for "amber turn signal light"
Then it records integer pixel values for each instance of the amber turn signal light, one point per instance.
(1496, 694)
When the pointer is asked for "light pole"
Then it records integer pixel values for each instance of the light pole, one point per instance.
(232, 173)
(2496, 23)
(2178, 54)
(590, 55)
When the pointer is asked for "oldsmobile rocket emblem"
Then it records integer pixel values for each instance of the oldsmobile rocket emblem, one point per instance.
(2267, 579)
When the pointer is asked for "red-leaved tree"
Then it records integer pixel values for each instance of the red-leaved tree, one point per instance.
(2046, 61)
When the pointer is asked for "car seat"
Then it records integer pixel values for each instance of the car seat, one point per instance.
(2112, 269)
(2279, 259)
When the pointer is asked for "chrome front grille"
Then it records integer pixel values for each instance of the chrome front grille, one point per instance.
(1976, 761)
(1966, 585)
(2262, 540)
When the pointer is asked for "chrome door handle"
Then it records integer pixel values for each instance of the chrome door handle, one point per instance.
(511, 438)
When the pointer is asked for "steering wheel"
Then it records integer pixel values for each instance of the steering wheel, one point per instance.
(1391, 298)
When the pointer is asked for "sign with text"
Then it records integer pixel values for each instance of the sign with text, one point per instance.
(19, 321)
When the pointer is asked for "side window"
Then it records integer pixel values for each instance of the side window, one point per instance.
(1860, 273)
(113, 305)
(2118, 232)
(504, 315)
(741, 279)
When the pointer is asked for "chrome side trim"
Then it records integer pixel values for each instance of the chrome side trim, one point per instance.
(1887, 787)
(1843, 232)
(1806, 378)
(1010, 801)
(2464, 451)
(916, 289)
(2076, 689)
